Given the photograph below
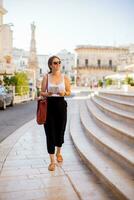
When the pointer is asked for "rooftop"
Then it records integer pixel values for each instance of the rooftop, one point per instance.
(100, 47)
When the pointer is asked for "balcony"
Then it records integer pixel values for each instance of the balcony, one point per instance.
(106, 67)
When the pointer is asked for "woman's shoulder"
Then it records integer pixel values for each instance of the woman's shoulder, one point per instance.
(45, 76)
(66, 77)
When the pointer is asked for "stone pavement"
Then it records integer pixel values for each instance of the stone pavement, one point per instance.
(25, 176)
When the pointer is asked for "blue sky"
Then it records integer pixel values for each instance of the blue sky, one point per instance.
(63, 24)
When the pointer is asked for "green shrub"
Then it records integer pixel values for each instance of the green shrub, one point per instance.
(129, 80)
(109, 81)
(100, 83)
(6, 80)
(132, 82)
(20, 81)
(13, 81)
(22, 86)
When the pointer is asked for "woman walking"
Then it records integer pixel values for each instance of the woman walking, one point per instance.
(58, 86)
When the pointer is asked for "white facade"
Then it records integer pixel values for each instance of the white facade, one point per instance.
(2, 12)
(20, 59)
(127, 59)
(99, 56)
(43, 64)
(6, 35)
(6, 44)
(67, 59)
(131, 48)
(93, 63)
(6, 40)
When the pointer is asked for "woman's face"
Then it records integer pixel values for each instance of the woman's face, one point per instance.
(56, 64)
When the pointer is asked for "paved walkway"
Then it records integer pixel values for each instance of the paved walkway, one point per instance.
(25, 176)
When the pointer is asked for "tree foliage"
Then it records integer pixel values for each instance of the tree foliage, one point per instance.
(20, 81)
(129, 80)
(6, 80)
(22, 86)
(100, 83)
(109, 81)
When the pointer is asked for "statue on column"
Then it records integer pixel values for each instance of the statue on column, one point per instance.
(33, 60)
(33, 27)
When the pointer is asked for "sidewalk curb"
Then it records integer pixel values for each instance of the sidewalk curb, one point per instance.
(7, 144)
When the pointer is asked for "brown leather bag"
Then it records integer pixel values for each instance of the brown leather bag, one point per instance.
(41, 114)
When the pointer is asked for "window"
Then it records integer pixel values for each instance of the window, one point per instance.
(77, 62)
(86, 62)
(110, 63)
(40, 71)
(99, 63)
(63, 68)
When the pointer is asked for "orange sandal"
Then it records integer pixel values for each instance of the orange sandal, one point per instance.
(51, 167)
(59, 158)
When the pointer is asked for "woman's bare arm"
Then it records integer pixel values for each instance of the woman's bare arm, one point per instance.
(44, 87)
(67, 86)
(43, 84)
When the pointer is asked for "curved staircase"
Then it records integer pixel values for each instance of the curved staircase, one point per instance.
(102, 131)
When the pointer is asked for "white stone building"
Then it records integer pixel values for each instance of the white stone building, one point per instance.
(126, 58)
(68, 61)
(99, 56)
(43, 64)
(95, 62)
(6, 44)
(20, 59)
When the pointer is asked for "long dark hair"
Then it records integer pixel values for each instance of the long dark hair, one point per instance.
(50, 61)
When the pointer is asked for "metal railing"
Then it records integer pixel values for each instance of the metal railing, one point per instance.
(25, 93)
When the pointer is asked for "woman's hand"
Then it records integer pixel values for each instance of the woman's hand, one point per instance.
(46, 94)
(62, 93)
(49, 93)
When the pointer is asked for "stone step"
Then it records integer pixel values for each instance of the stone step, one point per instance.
(127, 106)
(110, 173)
(124, 96)
(118, 129)
(115, 113)
(88, 186)
(113, 147)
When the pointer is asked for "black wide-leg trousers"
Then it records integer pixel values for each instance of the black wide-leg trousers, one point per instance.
(55, 123)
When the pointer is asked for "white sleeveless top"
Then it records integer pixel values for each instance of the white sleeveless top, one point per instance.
(56, 87)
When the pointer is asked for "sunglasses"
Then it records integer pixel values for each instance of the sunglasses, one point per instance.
(56, 63)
